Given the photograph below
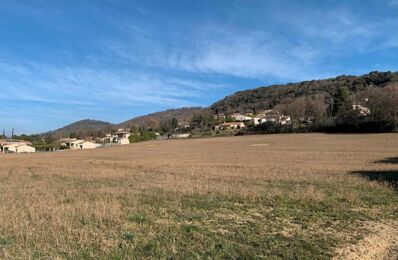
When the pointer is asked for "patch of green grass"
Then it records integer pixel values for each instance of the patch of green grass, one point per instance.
(127, 235)
(139, 218)
(167, 225)
(215, 226)
(5, 241)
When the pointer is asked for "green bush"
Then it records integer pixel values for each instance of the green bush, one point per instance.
(143, 136)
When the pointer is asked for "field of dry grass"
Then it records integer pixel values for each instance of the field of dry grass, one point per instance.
(282, 196)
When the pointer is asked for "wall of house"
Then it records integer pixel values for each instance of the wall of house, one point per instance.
(88, 145)
(25, 149)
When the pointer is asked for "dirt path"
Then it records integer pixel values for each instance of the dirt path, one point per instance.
(381, 243)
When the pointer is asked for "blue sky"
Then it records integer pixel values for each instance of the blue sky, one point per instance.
(62, 61)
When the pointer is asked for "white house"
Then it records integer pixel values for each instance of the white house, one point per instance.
(268, 116)
(89, 145)
(232, 125)
(82, 145)
(121, 136)
(24, 148)
(240, 118)
(65, 142)
(180, 136)
(75, 144)
(17, 147)
(285, 120)
(363, 111)
(123, 141)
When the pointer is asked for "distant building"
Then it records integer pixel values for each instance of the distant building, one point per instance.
(122, 133)
(240, 118)
(121, 136)
(82, 145)
(123, 141)
(363, 111)
(256, 120)
(24, 148)
(65, 142)
(89, 145)
(285, 120)
(183, 125)
(268, 116)
(12, 146)
(180, 136)
(75, 144)
(219, 116)
(271, 116)
(232, 125)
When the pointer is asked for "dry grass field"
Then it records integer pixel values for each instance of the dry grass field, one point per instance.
(275, 196)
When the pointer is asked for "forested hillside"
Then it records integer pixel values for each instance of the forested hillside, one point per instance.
(82, 128)
(157, 119)
(326, 104)
(268, 97)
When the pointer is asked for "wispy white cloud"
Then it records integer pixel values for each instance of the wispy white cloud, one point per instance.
(314, 34)
(252, 55)
(88, 86)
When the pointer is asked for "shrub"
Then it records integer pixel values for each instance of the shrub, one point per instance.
(143, 136)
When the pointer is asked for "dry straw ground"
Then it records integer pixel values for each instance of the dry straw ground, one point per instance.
(281, 196)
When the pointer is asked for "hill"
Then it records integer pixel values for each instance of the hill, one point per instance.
(268, 97)
(82, 127)
(155, 119)
(244, 101)
(90, 127)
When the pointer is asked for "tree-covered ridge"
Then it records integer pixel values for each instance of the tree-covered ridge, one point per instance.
(82, 128)
(269, 97)
(318, 105)
(157, 119)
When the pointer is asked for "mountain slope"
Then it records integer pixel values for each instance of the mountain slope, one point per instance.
(243, 101)
(155, 119)
(82, 127)
(267, 97)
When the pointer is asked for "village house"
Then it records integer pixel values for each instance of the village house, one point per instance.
(261, 120)
(82, 145)
(183, 125)
(256, 120)
(285, 120)
(106, 139)
(89, 145)
(75, 144)
(271, 116)
(65, 142)
(231, 125)
(121, 136)
(238, 117)
(363, 111)
(180, 136)
(219, 116)
(11, 146)
(267, 116)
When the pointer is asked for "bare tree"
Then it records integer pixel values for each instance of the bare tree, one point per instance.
(383, 103)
